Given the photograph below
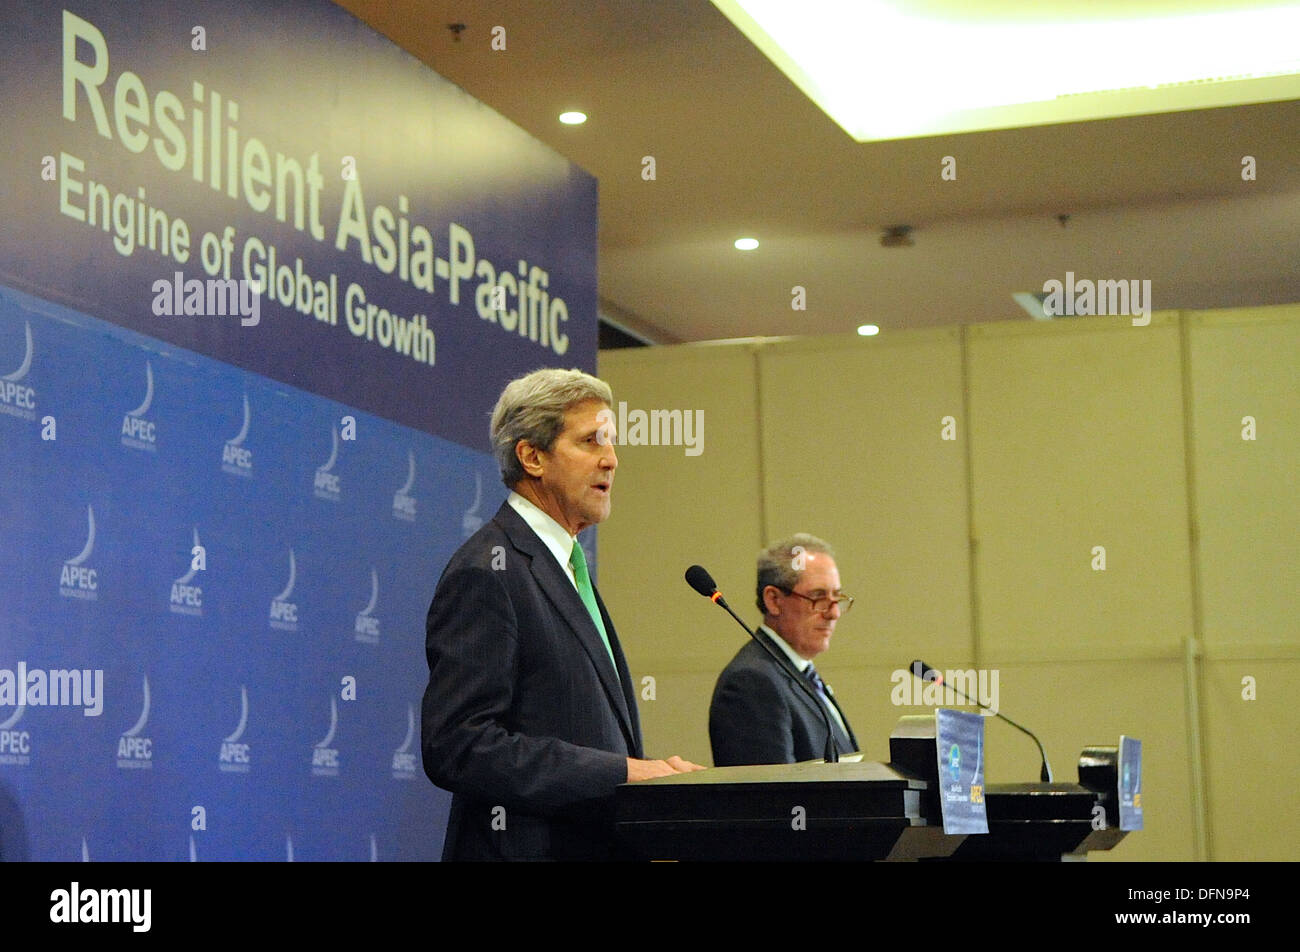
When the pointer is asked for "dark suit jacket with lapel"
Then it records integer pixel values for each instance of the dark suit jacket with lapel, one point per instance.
(758, 717)
(524, 720)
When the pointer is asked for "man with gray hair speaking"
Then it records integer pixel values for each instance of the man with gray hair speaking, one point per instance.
(530, 715)
(758, 715)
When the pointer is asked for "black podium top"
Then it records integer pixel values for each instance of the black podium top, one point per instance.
(864, 811)
(813, 810)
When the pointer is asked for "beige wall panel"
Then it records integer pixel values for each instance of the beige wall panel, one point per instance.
(671, 510)
(676, 720)
(1078, 441)
(1252, 777)
(852, 452)
(1247, 363)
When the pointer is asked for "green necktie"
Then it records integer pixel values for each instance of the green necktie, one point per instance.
(578, 561)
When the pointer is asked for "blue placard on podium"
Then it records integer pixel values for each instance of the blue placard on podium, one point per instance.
(1130, 783)
(959, 741)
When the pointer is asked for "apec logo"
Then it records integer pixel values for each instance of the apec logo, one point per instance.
(15, 745)
(324, 756)
(138, 431)
(187, 598)
(236, 459)
(16, 398)
(284, 613)
(403, 503)
(235, 755)
(78, 579)
(470, 520)
(403, 759)
(326, 485)
(367, 625)
(134, 750)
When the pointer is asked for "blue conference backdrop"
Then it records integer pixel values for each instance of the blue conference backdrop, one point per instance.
(262, 278)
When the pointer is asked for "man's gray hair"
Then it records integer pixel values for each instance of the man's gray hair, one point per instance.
(532, 408)
(781, 563)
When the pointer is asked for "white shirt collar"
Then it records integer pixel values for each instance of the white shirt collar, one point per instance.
(799, 662)
(554, 535)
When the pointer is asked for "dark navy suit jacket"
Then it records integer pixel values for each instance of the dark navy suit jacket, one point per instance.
(524, 720)
(758, 717)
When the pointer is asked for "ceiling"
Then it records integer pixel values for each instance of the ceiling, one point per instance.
(739, 150)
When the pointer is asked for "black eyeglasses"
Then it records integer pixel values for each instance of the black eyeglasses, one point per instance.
(822, 604)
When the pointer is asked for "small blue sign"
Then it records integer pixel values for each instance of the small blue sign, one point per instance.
(1130, 783)
(959, 744)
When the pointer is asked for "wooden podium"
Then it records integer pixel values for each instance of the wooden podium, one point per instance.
(865, 811)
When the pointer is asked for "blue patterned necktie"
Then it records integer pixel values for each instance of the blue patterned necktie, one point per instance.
(839, 727)
(811, 674)
(578, 562)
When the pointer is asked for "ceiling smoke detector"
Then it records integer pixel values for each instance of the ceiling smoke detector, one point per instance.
(897, 236)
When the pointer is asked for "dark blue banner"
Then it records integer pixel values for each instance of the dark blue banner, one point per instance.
(402, 242)
(263, 277)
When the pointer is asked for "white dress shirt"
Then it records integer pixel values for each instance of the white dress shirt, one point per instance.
(555, 536)
(802, 664)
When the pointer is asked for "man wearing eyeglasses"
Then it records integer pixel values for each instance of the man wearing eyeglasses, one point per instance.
(758, 716)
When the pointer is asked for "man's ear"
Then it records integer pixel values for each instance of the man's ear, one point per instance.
(530, 458)
(771, 600)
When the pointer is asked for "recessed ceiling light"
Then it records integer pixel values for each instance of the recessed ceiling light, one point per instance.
(868, 330)
(574, 118)
(746, 244)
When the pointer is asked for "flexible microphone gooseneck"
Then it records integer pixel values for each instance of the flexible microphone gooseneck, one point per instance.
(927, 673)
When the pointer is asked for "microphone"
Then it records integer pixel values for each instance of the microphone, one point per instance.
(698, 577)
(926, 673)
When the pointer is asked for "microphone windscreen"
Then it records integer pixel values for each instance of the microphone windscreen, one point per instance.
(923, 671)
(700, 580)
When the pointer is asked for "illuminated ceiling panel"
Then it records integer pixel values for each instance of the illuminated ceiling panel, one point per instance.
(896, 69)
